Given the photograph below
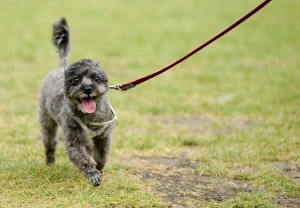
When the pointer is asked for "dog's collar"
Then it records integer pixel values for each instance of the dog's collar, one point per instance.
(105, 124)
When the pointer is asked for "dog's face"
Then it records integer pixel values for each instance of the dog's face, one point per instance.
(85, 83)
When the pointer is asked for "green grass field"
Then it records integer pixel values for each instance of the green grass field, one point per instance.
(226, 119)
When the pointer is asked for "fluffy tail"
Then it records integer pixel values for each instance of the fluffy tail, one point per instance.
(61, 40)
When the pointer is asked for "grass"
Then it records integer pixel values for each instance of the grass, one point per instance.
(249, 75)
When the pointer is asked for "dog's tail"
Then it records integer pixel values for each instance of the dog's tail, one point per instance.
(61, 40)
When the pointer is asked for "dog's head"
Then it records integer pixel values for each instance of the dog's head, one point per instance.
(85, 84)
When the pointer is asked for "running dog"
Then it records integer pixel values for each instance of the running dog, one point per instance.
(75, 98)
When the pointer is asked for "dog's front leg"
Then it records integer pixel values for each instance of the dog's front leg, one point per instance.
(101, 150)
(75, 140)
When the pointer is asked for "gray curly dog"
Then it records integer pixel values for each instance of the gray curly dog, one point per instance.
(75, 98)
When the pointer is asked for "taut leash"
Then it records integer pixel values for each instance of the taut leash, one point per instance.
(129, 85)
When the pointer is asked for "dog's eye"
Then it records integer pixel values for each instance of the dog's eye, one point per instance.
(97, 79)
(75, 80)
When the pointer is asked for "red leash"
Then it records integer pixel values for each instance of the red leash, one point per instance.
(129, 85)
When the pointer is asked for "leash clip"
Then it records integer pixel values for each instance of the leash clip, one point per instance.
(116, 87)
(122, 87)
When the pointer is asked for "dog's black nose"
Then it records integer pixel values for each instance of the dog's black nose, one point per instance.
(87, 90)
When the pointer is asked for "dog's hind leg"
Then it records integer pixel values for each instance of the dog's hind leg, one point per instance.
(49, 129)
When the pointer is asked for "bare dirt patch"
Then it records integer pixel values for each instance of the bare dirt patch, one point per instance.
(176, 181)
(290, 169)
(174, 177)
(287, 201)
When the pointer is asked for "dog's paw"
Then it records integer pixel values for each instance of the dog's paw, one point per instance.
(50, 160)
(95, 180)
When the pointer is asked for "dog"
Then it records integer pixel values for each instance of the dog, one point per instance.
(75, 98)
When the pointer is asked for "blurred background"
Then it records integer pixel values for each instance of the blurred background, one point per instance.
(134, 38)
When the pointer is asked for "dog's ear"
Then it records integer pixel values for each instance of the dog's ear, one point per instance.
(97, 64)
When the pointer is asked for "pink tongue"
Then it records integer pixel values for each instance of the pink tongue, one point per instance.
(88, 105)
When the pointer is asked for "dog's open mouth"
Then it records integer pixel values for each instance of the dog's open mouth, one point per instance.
(88, 104)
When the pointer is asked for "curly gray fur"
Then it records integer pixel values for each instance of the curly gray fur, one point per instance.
(61, 103)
